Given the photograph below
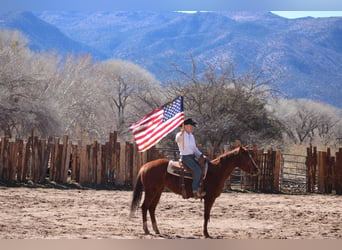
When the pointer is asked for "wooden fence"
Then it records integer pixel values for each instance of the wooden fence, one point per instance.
(116, 164)
(324, 171)
(63, 161)
(268, 179)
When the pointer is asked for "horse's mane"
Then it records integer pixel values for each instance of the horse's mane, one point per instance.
(226, 155)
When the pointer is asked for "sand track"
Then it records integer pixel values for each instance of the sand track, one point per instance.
(42, 213)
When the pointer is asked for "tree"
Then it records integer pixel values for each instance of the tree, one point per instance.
(76, 94)
(308, 121)
(71, 95)
(227, 107)
(129, 92)
(21, 84)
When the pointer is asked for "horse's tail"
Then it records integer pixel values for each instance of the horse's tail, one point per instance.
(137, 194)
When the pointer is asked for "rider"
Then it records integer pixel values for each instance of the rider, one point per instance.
(188, 152)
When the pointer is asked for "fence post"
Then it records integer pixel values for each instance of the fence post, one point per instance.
(112, 166)
(311, 165)
(321, 171)
(84, 153)
(117, 162)
(136, 163)
(1, 155)
(52, 168)
(42, 152)
(120, 180)
(94, 160)
(253, 185)
(129, 162)
(21, 153)
(328, 173)
(276, 171)
(338, 172)
(12, 163)
(98, 163)
(308, 164)
(64, 164)
(104, 149)
(5, 155)
(27, 157)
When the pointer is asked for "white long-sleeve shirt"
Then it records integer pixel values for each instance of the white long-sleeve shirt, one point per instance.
(189, 144)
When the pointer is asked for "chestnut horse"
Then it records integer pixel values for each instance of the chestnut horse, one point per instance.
(153, 178)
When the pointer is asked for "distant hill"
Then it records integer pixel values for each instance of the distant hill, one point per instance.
(307, 50)
(44, 36)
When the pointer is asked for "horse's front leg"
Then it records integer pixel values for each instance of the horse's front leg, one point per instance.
(208, 203)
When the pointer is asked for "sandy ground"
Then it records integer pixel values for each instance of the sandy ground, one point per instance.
(42, 213)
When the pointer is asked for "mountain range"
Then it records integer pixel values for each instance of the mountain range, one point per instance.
(308, 51)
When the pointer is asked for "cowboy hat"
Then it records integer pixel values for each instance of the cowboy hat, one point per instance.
(190, 121)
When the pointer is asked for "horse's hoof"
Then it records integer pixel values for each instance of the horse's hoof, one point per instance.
(145, 228)
(207, 236)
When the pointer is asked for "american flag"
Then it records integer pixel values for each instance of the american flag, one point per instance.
(156, 125)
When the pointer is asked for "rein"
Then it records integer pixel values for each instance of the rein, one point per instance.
(225, 156)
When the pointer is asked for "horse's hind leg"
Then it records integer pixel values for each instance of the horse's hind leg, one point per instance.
(144, 208)
(150, 197)
(152, 210)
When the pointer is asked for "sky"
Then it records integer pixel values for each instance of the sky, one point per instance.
(286, 8)
(298, 14)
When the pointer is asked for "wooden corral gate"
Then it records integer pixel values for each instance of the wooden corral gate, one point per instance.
(268, 179)
(318, 171)
(293, 174)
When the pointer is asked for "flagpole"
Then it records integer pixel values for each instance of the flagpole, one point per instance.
(182, 136)
(182, 131)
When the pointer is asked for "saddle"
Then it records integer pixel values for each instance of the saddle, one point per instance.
(178, 168)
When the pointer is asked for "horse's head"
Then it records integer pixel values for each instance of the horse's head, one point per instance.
(246, 161)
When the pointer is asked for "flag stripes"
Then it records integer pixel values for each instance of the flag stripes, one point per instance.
(156, 125)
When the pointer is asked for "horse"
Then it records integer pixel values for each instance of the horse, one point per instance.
(153, 178)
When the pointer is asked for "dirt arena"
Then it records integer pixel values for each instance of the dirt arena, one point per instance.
(42, 213)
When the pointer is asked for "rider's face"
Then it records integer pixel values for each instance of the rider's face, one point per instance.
(188, 128)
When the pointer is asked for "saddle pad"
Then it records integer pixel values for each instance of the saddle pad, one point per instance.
(175, 169)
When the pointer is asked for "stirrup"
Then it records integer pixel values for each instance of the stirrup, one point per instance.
(199, 195)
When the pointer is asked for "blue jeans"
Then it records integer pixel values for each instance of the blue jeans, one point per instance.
(191, 162)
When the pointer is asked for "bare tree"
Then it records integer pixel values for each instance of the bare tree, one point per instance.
(227, 106)
(21, 85)
(308, 121)
(71, 95)
(129, 92)
(76, 95)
